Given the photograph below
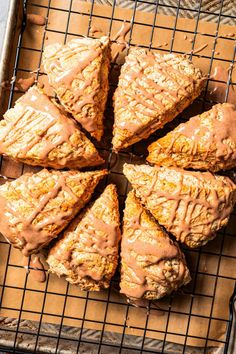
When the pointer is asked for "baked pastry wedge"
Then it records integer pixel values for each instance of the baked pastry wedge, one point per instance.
(190, 205)
(206, 142)
(35, 208)
(152, 265)
(78, 72)
(152, 90)
(37, 132)
(87, 253)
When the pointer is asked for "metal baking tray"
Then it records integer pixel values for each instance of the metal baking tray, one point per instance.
(149, 327)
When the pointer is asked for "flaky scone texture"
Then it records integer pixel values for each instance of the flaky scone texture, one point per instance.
(190, 205)
(78, 72)
(205, 142)
(152, 90)
(37, 132)
(87, 253)
(36, 207)
(152, 264)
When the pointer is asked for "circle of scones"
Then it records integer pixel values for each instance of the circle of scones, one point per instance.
(152, 90)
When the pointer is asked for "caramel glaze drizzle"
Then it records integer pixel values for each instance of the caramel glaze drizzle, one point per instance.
(36, 19)
(218, 91)
(223, 128)
(119, 43)
(214, 206)
(151, 104)
(199, 49)
(32, 235)
(121, 34)
(159, 249)
(35, 267)
(38, 111)
(90, 242)
(119, 39)
(25, 84)
(95, 29)
(64, 79)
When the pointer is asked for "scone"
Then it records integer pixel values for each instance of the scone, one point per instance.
(37, 132)
(78, 72)
(190, 205)
(152, 264)
(36, 207)
(152, 90)
(87, 253)
(205, 142)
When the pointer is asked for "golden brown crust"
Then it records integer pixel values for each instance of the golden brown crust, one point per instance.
(87, 253)
(36, 207)
(78, 72)
(205, 142)
(152, 264)
(191, 205)
(37, 132)
(152, 90)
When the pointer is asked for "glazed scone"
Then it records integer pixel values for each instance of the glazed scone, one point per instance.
(87, 253)
(152, 265)
(35, 208)
(152, 90)
(37, 132)
(206, 142)
(78, 72)
(190, 205)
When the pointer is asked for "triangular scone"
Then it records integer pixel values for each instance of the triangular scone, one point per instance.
(190, 205)
(152, 264)
(37, 132)
(205, 142)
(153, 89)
(78, 72)
(36, 207)
(87, 253)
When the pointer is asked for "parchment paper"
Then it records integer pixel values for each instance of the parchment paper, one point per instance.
(201, 299)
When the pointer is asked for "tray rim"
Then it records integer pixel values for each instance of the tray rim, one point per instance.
(10, 33)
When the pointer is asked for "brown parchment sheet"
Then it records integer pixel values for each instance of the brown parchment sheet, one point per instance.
(210, 296)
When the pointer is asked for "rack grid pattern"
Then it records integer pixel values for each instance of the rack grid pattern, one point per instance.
(219, 250)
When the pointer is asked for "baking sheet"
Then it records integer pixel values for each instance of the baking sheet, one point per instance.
(188, 8)
(47, 302)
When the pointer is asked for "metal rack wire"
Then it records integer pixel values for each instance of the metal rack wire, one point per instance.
(100, 342)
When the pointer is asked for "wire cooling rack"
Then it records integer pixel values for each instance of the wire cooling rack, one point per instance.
(85, 322)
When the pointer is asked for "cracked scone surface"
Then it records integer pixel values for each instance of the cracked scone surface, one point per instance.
(152, 264)
(152, 90)
(190, 205)
(36, 207)
(205, 142)
(87, 253)
(37, 132)
(78, 72)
